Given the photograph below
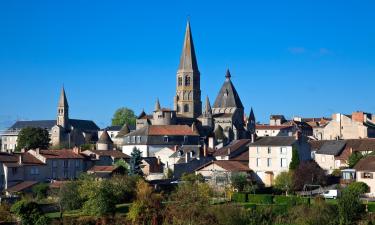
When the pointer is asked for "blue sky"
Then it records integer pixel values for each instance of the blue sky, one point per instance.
(308, 58)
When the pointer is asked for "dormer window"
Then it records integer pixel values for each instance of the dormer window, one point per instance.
(187, 81)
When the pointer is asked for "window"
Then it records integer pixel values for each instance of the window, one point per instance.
(66, 163)
(283, 151)
(186, 108)
(166, 139)
(269, 150)
(179, 81)
(269, 162)
(367, 175)
(34, 171)
(283, 163)
(78, 163)
(139, 139)
(54, 163)
(258, 162)
(187, 81)
(258, 150)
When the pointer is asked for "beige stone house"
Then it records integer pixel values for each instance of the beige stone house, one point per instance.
(365, 172)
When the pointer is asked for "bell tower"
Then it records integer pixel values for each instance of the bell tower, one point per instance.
(63, 110)
(187, 102)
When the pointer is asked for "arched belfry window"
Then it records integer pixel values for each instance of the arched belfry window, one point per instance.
(187, 81)
(186, 108)
(179, 81)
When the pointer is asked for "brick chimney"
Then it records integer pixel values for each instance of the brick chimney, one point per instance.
(211, 142)
(37, 151)
(77, 150)
(205, 150)
(20, 160)
(229, 150)
(158, 162)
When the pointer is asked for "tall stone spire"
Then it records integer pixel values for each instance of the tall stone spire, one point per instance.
(187, 101)
(207, 107)
(227, 75)
(63, 110)
(157, 105)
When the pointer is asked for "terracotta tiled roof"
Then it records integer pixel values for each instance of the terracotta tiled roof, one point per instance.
(243, 157)
(58, 184)
(113, 153)
(60, 154)
(13, 159)
(107, 169)
(21, 186)
(271, 127)
(7, 157)
(233, 146)
(28, 158)
(366, 164)
(229, 165)
(176, 130)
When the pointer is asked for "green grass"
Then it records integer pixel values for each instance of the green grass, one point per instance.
(123, 208)
(73, 213)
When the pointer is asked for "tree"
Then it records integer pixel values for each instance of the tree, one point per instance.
(32, 138)
(69, 198)
(124, 187)
(29, 213)
(239, 181)
(295, 159)
(284, 182)
(192, 178)
(147, 207)
(308, 173)
(40, 190)
(123, 115)
(359, 188)
(354, 158)
(349, 206)
(219, 134)
(135, 162)
(122, 163)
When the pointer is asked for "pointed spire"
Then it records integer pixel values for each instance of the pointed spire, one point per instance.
(63, 102)
(188, 60)
(207, 108)
(252, 116)
(227, 75)
(157, 105)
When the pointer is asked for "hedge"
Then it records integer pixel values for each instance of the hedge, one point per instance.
(239, 197)
(371, 206)
(261, 199)
(249, 205)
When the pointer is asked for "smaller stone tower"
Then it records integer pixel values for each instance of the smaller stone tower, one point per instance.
(63, 111)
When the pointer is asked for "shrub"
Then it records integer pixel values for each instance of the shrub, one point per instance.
(358, 187)
(261, 199)
(285, 200)
(249, 205)
(239, 197)
(40, 190)
(371, 206)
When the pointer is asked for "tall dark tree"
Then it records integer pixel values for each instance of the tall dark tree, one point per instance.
(354, 158)
(32, 138)
(295, 159)
(308, 173)
(123, 115)
(135, 162)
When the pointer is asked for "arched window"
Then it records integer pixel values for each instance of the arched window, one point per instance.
(187, 81)
(186, 108)
(179, 81)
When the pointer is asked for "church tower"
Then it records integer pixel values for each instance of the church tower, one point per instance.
(63, 110)
(187, 102)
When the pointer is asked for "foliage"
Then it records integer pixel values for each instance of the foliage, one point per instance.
(239, 181)
(5, 214)
(124, 187)
(308, 173)
(358, 187)
(239, 197)
(219, 134)
(284, 182)
(29, 213)
(135, 162)
(69, 198)
(349, 207)
(40, 190)
(261, 199)
(192, 178)
(122, 163)
(123, 115)
(32, 138)
(354, 158)
(336, 173)
(295, 159)
(316, 214)
(147, 207)
(228, 214)
(169, 174)
(87, 146)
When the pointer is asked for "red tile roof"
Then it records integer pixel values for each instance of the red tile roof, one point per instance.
(96, 169)
(177, 130)
(28, 158)
(113, 153)
(57, 184)
(366, 164)
(229, 165)
(7, 157)
(22, 186)
(233, 146)
(60, 154)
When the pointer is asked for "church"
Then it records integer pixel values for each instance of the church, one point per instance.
(225, 119)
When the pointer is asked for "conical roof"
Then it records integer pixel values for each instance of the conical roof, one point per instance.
(207, 108)
(188, 60)
(63, 102)
(143, 114)
(157, 105)
(104, 138)
(124, 131)
(251, 116)
(228, 96)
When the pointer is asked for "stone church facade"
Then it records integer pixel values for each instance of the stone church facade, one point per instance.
(227, 114)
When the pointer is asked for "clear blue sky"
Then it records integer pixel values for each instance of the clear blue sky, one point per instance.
(308, 58)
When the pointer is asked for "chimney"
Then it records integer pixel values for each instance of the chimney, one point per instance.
(77, 150)
(186, 157)
(37, 151)
(205, 150)
(211, 142)
(297, 135)
(23, 150)
(229, 151)
(351, 151)
(175, 148)
(158, 160)
(252, 138)
(20, 161)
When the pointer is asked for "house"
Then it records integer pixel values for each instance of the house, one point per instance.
(151, 138)
(219, 172)
(233, 150)
(152, 168)
(24, 186)
(103, 157)
(269, 156)
(103, 172)
(365, 172)
(355, 126)
(63, 131)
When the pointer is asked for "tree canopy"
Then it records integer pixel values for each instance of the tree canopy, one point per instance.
(308, 173)
(135, 162)
(354, 158)
(295, 159)
(284, 182)
(32, 138)
(123, 115)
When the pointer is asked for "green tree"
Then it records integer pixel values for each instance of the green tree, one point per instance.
(123, 115)
(29, 213)
(192, 178)
(32, 138)
(359, 188)
(295, 159)
(239, 181)
(284, 182)
(124, 187)
(219, 134)
(354, 158)
(135, 162)
(122, 163)
(350, 207)
(69, 198)
(147, 208)
(40, 190)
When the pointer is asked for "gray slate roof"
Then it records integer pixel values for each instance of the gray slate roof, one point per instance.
(332, 147)
(274, 141)
(46, 124)
(104, 138)
(84, 125)
(228, 96)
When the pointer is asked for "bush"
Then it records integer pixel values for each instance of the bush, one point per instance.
(239, 197)
(371, 206)
(285, 200)
(260, 199)
(40, 190)
(249, 205)
(358, 188)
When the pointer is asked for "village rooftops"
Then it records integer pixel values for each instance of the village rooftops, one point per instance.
(232, 147)
(21, 186)
(229, 165)
(366, 164)
(161, 130)
(112, 153)
(57, 154)
(332, 147)
(274, 141)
